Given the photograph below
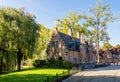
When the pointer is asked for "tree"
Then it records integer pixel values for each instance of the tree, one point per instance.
(72, 21)
(5, 36)
(107, 46)
(42, 43)
(21, 32)
(101, 15)
(117, 46)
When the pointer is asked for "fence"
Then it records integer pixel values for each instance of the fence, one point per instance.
(61, 76)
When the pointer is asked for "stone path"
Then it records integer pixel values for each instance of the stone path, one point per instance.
(104, 74)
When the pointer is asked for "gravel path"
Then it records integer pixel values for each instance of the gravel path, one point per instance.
(104, 74)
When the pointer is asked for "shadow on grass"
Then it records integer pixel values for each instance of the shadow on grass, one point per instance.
(24, 78)
(25, 69)
(30, 75)
(33, 68)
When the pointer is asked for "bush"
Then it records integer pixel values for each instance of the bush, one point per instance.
(40, 63)
(61, 64)
(67, 65)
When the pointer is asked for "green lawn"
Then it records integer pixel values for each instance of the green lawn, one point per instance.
(31, 75)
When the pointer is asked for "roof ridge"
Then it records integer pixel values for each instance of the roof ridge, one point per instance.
(68, 35)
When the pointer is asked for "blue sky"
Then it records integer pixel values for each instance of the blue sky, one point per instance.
(46, 11)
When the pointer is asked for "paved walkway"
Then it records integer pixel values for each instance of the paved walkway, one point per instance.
(104, 74)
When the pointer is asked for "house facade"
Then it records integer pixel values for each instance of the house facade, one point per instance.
(110, 56)
(71, 49)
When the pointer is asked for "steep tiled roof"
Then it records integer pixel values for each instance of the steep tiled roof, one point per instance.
(71, 43)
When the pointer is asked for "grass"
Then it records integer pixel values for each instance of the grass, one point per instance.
(30, 75)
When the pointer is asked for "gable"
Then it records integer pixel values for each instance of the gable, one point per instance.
(71, 43)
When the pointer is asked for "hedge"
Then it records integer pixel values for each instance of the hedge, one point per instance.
(52, 64)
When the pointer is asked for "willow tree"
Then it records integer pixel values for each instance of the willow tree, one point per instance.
(100, 16)
(5, 37)
(22, 32)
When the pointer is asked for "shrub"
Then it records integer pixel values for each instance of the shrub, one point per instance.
(67, 65)
(40, 63)
(61, 64)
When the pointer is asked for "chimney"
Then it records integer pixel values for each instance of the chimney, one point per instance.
(70, 32)
(82, 38)
(55, 30)
(78, 35)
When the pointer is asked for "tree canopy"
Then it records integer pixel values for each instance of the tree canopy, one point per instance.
(72, 21)
(107, 46)
(98, 20)
(18, 32)
(117, 46)
(42, 42)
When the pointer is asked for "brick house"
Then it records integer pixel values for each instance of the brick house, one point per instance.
(109, 56)
(105, 57)
(71, 49)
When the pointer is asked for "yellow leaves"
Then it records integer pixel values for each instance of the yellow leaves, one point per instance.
(107, 46)
(97, 9)
(103, 24)
(90, 17)
(111, 20)
(79, 16)
(106, 13)
(65, 22)
(117, 46)
(100, 15)
(77, 25)
(73, 16)
(94, 31)
(81, 30)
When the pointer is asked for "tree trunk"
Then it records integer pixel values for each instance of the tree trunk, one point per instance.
(1, 64)
(7, 61)
(97, 46)
(19, 58)
(98, 52)
(97, 38)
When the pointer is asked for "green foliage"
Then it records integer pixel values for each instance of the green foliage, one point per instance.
(101, 15)
(107, 46)
(52, 64)
(72, 21)
(98, 20)
(19, 33)
(117, 46)
(40, 63)
(9, 62)
(42, 42)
